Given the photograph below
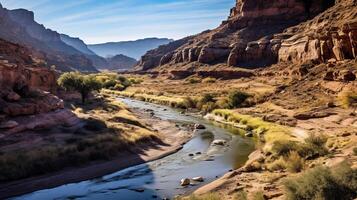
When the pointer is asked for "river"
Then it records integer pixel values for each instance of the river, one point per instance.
(160, 179)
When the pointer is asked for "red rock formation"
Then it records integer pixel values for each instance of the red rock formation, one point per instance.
(22, 81)
(254, 35)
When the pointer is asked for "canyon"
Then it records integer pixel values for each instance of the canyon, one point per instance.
(273, 73)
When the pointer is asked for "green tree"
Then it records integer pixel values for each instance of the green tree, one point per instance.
(84, 84)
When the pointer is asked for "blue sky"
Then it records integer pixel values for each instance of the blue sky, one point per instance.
(97, 21)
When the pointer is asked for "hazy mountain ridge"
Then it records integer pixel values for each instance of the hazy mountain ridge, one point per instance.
(134, 49)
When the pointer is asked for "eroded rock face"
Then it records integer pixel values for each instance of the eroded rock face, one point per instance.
(22, 83)
(257, 34)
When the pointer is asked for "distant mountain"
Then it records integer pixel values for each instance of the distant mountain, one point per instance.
(77, 43)
(18, 26)
(134, 49)
(120, 62)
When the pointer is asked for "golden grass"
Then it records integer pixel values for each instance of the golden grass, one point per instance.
(163, 100)
(272, 132)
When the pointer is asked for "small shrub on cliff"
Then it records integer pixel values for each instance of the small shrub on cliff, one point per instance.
(237, 98)
(348, 99)
(194, 80)
(339, 182)
(84, 84)
(209, 80)
(294, 163)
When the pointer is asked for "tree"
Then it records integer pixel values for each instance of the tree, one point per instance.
(84, 84)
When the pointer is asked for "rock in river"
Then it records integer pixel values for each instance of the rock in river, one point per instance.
(185, 182)
(199, 126)
(219, 142)
(198, 179)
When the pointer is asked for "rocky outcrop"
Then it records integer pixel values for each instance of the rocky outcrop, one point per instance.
(257, 33)
(22, 82)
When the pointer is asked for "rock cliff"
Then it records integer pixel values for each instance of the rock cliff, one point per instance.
(23, 82)
(19, 26)
(260, 33)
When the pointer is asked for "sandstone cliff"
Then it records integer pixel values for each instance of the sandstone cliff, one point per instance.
(260, 33)
(23, 80)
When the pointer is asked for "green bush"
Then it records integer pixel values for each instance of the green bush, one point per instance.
(119, 87)
(84, 84)
(237, 98)
(323, 183)
(313, 147)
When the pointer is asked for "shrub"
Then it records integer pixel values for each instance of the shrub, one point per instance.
(222, 103)
(207, 98)
(348, 99)
(187, 102)
(237, 98)
(193, 80)
(323, 183)
(294, 163)
(355, 151)
(209, 80)
(284, 147)
(313, 147)
(119, 87)
(277, 165)
(208, 107)
(135, 80)
(109, 83)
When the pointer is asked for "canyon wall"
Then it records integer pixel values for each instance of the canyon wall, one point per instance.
(260, 33)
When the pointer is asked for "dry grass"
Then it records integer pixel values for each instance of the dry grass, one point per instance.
(272, 132)
(109, 129)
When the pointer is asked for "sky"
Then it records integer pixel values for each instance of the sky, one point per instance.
(99, 21)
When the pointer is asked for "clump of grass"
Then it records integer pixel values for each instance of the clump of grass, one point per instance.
(294, 163)
(241, 195)
(273, 132)
(277, 165)
(194, 80)
(314, 146)
(348, 99)
(339, 182)
(209, 80)
(237, 98)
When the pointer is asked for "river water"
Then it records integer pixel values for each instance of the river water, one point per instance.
(160, 179)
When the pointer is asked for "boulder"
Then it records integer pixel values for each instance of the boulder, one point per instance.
(185, 182)
(219, 142)
(199, 126)
(198, 179)
(8, 125)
